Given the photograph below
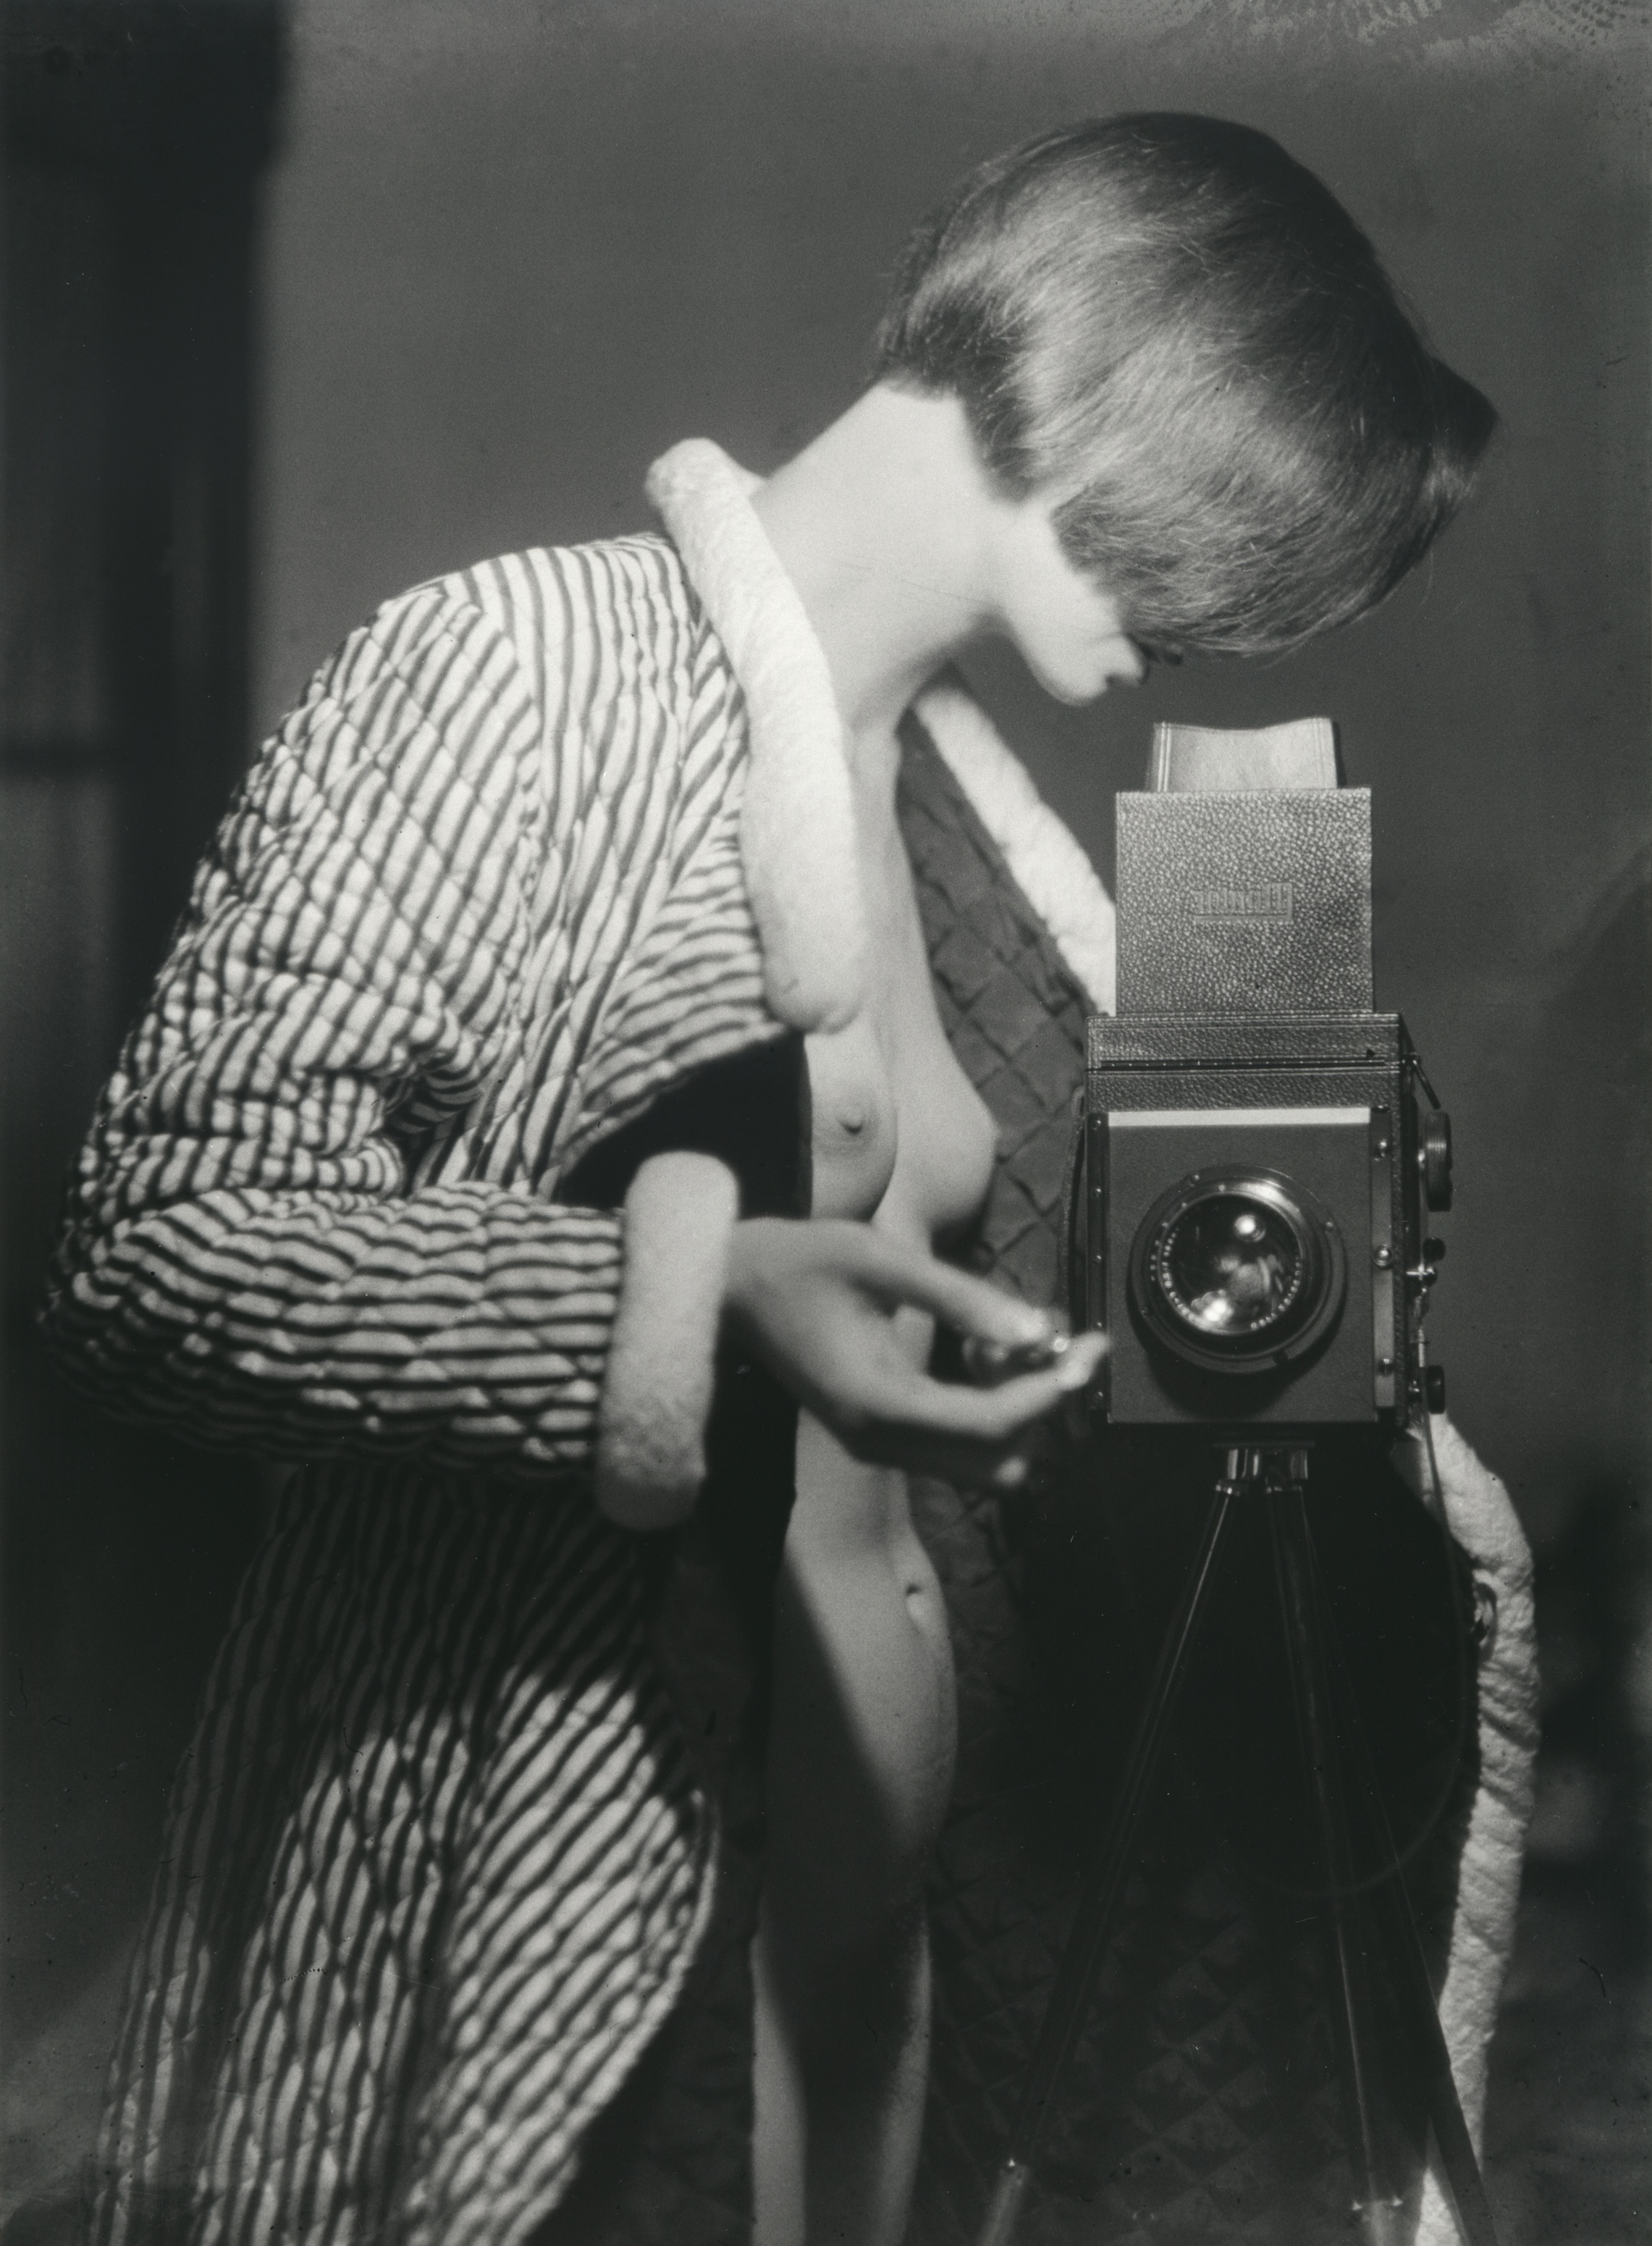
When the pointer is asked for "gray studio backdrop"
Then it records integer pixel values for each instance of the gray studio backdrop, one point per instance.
(513, 250)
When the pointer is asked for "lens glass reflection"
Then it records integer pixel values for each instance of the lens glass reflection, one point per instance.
(1230, 1265)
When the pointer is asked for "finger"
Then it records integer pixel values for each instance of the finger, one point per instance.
(988, 1362)
(992, 1415)
(901, 1275)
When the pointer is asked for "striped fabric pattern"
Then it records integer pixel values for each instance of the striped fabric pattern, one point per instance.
(435, 1867)
(469, 911)
(434, 1875)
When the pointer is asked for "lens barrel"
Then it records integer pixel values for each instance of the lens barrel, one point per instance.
(1238, 1270)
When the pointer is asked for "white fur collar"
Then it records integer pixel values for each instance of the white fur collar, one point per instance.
(798, 837)
(797, 827)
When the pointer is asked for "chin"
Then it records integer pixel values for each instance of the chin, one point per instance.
(1074, 692)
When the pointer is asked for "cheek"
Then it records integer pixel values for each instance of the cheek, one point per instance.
(1068, 633)
(1092, 624)
(1069, 617)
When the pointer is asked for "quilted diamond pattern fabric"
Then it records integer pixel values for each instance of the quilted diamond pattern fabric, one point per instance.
(1202, 2101)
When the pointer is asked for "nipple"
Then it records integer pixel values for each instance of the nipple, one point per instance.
(855, 1122)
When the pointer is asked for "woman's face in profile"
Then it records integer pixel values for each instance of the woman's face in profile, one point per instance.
(1070, 632)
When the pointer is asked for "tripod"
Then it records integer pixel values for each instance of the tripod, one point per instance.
(1276, 1473)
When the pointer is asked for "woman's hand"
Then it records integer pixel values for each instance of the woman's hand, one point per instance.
(815, 1302)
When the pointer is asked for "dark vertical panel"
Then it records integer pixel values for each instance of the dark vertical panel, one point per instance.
(134, 136)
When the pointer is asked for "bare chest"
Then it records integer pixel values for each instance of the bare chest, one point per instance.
(898, 1129)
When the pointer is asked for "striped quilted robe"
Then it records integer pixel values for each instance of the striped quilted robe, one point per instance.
(545, 840)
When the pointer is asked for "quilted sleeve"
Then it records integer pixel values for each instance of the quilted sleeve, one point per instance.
(245, 1258)
(1485, 1524)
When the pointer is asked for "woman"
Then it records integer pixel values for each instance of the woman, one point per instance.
(552, 1008)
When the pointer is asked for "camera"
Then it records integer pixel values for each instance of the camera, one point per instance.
(1259, 1150)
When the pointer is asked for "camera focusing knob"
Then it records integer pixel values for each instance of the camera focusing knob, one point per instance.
(1434, 1158)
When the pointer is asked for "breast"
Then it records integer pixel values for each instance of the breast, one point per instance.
(949, 1145)
(898, 1129)
(948, 1138)
(853, 1128)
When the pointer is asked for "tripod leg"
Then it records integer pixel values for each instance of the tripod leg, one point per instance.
(1086, 1943)
(1454, 2147)
(1378, 2202)
(1402, 1952)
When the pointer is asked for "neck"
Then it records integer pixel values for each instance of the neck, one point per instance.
(882, 526)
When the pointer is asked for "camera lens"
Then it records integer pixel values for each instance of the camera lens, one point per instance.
(1230, 1265)
(1238, 1270)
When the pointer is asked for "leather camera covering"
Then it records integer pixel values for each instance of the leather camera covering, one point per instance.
(1251, 902)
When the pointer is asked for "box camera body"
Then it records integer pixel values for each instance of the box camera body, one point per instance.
(1257, 1158)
